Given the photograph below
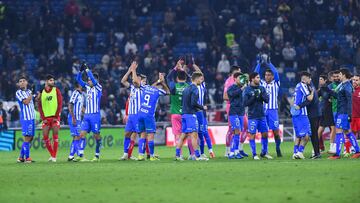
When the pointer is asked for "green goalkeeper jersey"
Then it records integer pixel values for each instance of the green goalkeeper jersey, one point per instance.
(176, 98)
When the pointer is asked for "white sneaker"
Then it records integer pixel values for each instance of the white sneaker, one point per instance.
(202, 159)
(52, 159)
(204, 156)
(300, 155)
(133, 158)
(124, 157)
(267, 156)
(256, 157)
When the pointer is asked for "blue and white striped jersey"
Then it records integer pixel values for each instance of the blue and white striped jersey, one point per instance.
(300, 94)
(272, 89)
(202, 90)
(78, 101)
(93, 96)
(27, 111)
(135, 100)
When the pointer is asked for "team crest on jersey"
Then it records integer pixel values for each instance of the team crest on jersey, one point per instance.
(49, 98)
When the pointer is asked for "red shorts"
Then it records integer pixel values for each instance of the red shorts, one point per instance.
(355, 124)
(51, 123)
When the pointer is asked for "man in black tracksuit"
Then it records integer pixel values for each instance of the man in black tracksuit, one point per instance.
(313, 109)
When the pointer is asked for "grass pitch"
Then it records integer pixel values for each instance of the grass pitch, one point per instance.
(218, 180)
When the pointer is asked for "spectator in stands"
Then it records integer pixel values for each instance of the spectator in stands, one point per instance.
(130, 47)
(278, 31)
(289, 54)
(223, 65)
(86, 21)
(3, 118)
(14, 116)
(71, 8)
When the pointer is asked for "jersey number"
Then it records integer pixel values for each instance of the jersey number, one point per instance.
(147, 99)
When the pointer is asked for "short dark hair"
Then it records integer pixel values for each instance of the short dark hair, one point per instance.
(253, 75)
(323, 77)
(268, 70)
(304, 73)
(142, 76)
(181, 75)
(345, 72)
(335, 72)
(22, 77)
(76, 84)
(96, 76)
(237, 74)
(49, 76)
(196, 75)
(234, 68)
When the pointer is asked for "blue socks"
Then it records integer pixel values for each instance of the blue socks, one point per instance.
(26, 149)
(201, 142)
(264, 145)
(178, 151)
(22, 154)
(197, 153)
(253, 147)
(235, 143)
(353, 141)
(207, 139)
(339, 142)
(296, 148)
(142, 142)
(151, 147)
(126, 144)
(81, 146)
(301, 148)
(97, 148)
(72, 148)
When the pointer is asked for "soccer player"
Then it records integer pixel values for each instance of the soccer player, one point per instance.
(229, 81)
(202, 121)
(190, 106)
(236, 113)
(74, 119)
(272, 86)
(344, 109)
(92, 119)
(254, 98)
(131, 128)
(27, 118)
(303, 95)
(50, 104)
(146, 114)
(355, 120)
(177, 87)
(335, 81)
(327, 116)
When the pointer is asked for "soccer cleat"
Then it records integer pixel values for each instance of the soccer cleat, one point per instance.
(124, 158)
(294, 156)
(243, 154)
(238, 156)
(318, 156)
(154, 158)
(278, 153)
(256, 157)
(148, 156)
(179, 158)
(347, 155)
(71, 159)
(266, 156)
(141, 158)
(95, 159)
(133, 158)
(203, 155)
(52, 159)
(300, 155)
(356, 155)
(231, 156)
(212, 155)
(29, 160)
(192, 158)
(334, 157)
(331, 152)
(82, 159)
(202, 159)
(20, 160)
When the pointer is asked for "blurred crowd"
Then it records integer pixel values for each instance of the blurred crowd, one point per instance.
(226, 33)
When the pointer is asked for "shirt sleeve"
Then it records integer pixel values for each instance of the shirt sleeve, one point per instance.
(73, 97)
(162, 92)
(59, 96)
(98, 87)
